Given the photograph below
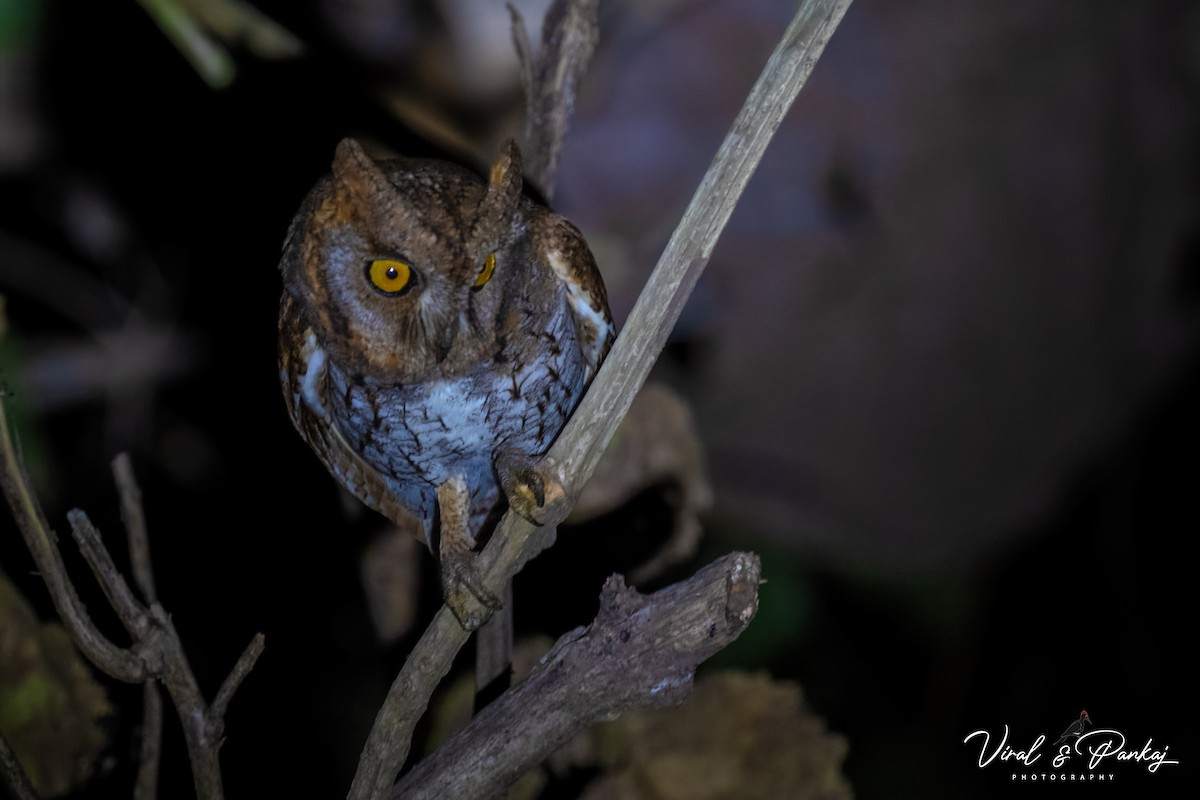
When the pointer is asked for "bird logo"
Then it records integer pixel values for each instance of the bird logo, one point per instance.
(1075, 728)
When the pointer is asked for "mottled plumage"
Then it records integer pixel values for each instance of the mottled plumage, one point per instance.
(436, 331)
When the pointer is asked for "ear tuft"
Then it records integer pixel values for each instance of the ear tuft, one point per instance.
(495, 212)
(506, 171)
(359, 173)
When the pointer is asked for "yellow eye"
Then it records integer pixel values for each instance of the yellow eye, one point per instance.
(389, 276)
(485, 274)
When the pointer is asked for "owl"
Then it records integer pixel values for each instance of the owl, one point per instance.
(436, 331)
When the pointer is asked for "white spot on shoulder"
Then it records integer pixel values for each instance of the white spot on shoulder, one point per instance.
(559, 264)
(585, 314)
(314, 369)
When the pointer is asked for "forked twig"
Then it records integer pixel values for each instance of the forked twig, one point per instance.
(156, 652)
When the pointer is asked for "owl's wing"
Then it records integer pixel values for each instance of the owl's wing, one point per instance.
(303, 373)
(562, 247)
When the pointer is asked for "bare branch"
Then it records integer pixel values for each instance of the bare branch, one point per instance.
(131, 613)
(125, 665)
(575, 453)
(134, 517)
(146, 787)
(551, 82)
(12, 775)
(240, 670)
(520, 34)
(641, 651)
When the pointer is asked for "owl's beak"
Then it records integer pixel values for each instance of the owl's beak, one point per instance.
(445, 340)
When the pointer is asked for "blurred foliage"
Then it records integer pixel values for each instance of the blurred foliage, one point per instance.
(52, 711)
(202, 30)
(18, 22)
(767, 745)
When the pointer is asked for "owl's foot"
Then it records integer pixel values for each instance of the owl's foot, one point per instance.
(464, 592)
(462, 584)
(533, 493)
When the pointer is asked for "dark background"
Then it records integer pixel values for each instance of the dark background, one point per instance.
(943, 362)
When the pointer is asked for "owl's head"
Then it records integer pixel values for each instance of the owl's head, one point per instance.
(401, 267)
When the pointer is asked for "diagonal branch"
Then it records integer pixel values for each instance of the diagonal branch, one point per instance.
(134, 517)
(127, 665)
(12, 777)
(576, 452)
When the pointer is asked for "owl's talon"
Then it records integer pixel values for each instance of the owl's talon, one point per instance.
(533, 493)
(464, 592)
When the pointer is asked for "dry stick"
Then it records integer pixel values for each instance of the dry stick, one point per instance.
(134, 517)
(12, 775)
(132, 614)
(574, 455)
(640, 652)
(150, 753)
(241, 669)
(127, 665)
(201, 730)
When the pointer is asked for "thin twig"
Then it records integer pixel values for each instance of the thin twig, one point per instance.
(134, 517)
(131, 613)
(576, 452)
(127, 665)
(150, 752)
(641, 651)
(12, 775)
(520, 34)
(240, 670)
(574, 455)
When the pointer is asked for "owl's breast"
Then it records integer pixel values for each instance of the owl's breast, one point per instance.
(419, 435)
